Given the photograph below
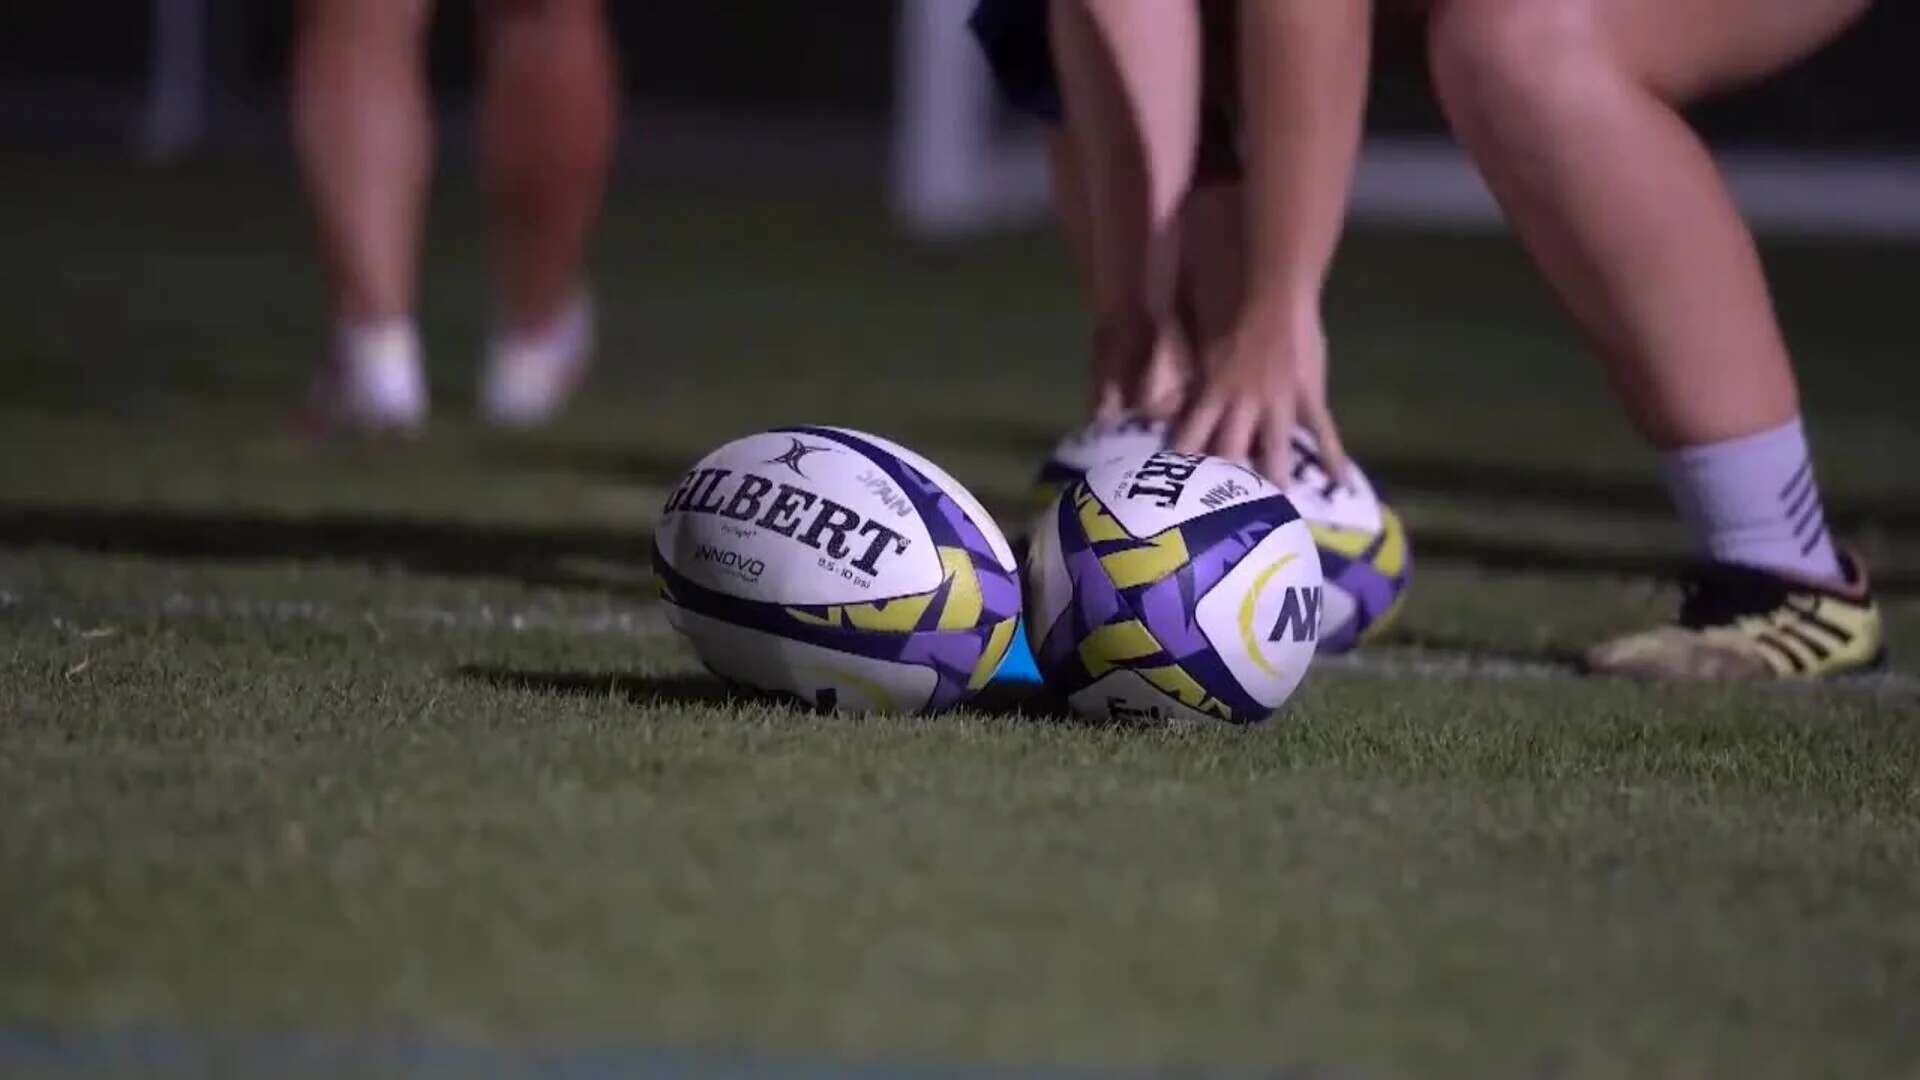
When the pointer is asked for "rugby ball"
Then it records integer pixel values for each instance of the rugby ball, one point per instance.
(839, 568)
(1169, 587)
(1364, 551)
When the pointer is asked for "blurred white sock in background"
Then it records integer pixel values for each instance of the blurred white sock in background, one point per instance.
(531, 375)
(373, 380)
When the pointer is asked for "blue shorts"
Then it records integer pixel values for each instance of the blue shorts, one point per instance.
(1019, 49)
(1013, 34)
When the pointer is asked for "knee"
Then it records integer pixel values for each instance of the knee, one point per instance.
(1498, 63)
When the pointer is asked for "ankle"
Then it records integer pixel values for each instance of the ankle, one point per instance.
(1754, 501)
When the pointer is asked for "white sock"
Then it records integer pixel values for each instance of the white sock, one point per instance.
(531, 374)
(375, 378)
(567, 333)
(1753, 501)
(382, 341)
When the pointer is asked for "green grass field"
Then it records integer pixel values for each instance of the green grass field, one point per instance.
(375, 741)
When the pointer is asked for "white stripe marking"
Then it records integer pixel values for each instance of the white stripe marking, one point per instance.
(636, 622)
(651, 623)
(1448, 664)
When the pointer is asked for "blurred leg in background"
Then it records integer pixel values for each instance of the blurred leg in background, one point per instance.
(1571, 110)
(363, 127)
(547, 133)
(363, 124)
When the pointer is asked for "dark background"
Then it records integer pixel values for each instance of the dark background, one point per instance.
(834, 60)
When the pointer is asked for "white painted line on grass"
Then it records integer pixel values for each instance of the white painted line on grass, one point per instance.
(1448, 664)
(647, 623)
(1445, 665)
(633, 622)
(623, 622)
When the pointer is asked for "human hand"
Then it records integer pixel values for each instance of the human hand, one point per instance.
(1262, 380)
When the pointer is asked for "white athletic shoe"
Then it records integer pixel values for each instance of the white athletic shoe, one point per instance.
(530, 377)
(372, 381)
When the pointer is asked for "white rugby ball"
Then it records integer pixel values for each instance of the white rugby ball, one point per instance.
(1169, 586)
(839, 568)
(1363, 544)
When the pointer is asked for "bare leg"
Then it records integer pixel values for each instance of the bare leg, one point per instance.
(1130, 78)
(1213, 259)
(1072, 203)
(547, 127)
(1211, 265)
(1569, 106)
(362, 126)
(1570, 109)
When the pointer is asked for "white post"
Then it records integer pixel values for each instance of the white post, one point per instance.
(952, 173)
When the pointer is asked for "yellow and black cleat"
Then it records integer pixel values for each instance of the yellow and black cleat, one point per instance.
(1738, 622)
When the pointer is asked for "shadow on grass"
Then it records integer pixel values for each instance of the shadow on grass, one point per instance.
(530, 554)
(550, 556)
(654, 466)
(1026, 438)
(1522, 557)
(1476, 650)
(999, 700)
(642, 465)
(643, 690)
(1639, 495)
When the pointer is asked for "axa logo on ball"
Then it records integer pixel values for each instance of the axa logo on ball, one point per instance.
(808, 518)
(1299, 615)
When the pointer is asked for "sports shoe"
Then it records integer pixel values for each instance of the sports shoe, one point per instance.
(372, 380)
(1737, 622)
(530, 376)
